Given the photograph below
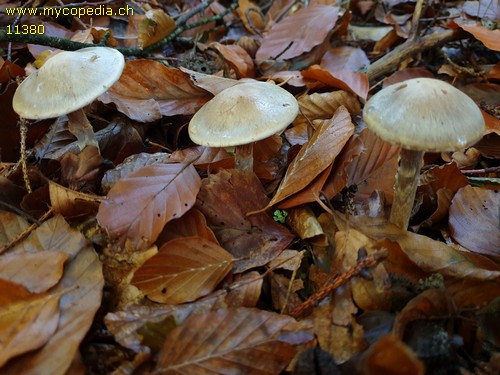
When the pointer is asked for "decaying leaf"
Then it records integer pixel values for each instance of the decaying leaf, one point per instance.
(230, 340)
(183, 270)
(254, 240)
(140, 204)
(320, 152)
(475, 219)
(148, 89)
(298, 33)
(27, 321)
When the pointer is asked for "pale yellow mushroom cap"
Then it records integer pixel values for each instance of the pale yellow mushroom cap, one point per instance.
(424, 114)
(242, 114)
(68, 81)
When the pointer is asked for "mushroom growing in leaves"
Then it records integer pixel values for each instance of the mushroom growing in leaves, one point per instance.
(421, 115)
(66, 83)
(243, 114)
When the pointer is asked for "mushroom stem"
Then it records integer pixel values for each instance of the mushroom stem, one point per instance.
(80, 127)
(244, 157)
(405, 186)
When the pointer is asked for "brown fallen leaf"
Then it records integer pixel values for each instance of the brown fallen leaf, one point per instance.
(355, 82)
(316, 155)
(230, 340)
(474, 220)
(11, 225)
(490, 38)
(148, 89)
(237, 58)
(37, 272)
(140, 204)
(80, 292)
(430, 255)
(298, 33)
(71, 203)
(323, 105)
(27, 320)
(345, 58)
(192, 223)
(225, 199)
(184, 269)
(390, 356)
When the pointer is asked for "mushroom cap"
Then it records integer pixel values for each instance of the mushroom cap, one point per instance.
(424, 114)
(244, 113)
(68, 81)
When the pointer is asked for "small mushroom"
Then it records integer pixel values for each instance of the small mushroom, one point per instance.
(243, 114)
(65, 84)
(421, 115)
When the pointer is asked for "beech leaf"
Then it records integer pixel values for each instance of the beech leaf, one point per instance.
(298, 33)
(183, 270)
(140, 204)
(316, 155)
(148, 89)
(236, 341)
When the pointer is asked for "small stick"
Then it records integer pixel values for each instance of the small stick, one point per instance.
(339, 280)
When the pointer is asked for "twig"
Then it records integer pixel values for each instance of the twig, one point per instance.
(21, 236)
(390, 61)
(364, 263)
(474, 172)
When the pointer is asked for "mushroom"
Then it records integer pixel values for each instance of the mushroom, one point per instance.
(243, 114)
(421, 115)
(66, 83)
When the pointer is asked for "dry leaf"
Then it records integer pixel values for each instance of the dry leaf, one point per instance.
(192, 223)
(131, 164)
(148, 89)
(298, 33)
(324, 105)
(316, 155)
(237, 58)
(80, 292)
(229, 341)
(71, 203)
(11, 225)
(474, 220)
(37, 272)
(430, 255)
(355, 82)
(155, 26)
(27, 321)
(183, 270)
(251, 16)
(224, 199)
(490, 38)
(140, 204)
(389, 355)
(345, 58)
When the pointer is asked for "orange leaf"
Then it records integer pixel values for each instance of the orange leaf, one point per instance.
(490, 38)
(35, 271)
(236, 341)
(155, 26)
(27, 320)
(355, 82)
(298, 33)
(390, 356)
(183, 270)
(251, 16)
(148, 89)
(237, 58)
(139, 205)
(316, 155)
